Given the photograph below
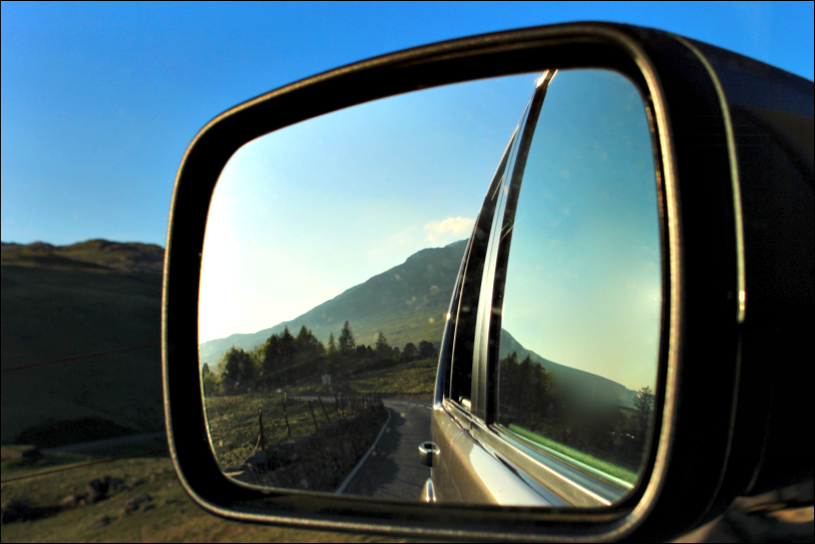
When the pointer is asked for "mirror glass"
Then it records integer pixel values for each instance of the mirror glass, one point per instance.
(331, 253)
(583, 294)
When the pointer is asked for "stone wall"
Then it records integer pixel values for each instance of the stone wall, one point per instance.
(316, 462)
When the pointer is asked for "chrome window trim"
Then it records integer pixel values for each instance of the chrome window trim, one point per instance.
(458, 413)
(478, 395)
(489, 305)
(495, 182)
(571, 485)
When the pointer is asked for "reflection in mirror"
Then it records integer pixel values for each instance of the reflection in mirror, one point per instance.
(331, 251)
(583, 294)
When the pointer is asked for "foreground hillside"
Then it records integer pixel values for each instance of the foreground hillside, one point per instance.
(149, 505)
(67, 301)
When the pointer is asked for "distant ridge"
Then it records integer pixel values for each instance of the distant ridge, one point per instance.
(92, 254)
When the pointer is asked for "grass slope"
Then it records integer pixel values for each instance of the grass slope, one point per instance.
(234, 429)
(171, 517)
(54, 307)
(232, 420)
(408, 379)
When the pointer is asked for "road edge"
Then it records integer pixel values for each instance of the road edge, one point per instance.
(351, 475)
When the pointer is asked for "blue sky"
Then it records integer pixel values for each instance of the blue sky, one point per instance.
(99, 100)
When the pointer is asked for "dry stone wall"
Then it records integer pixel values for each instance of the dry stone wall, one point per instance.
(319, 461)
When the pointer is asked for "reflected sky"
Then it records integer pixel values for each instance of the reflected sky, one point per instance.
(584, 280)
(302, 214)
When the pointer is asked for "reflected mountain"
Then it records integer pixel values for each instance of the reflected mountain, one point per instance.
(407, 303)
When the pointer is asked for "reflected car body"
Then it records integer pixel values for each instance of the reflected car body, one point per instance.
(474, 458)
(487, 448)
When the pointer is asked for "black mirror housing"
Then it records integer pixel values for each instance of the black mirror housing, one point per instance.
(735, 175)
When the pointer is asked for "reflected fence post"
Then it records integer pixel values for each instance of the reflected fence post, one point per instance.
(314, 419)
(260, 424)
(286, 416)
(328, 419)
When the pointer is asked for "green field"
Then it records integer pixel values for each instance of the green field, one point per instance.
(416, 378)
(169, 516)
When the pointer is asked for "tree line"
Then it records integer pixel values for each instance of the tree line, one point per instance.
(589, 419)
(285, 360)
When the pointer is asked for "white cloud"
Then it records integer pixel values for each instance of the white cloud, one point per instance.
(452, 225)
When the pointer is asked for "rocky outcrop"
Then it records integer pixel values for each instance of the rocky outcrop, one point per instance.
(97, 490)
(319, 461)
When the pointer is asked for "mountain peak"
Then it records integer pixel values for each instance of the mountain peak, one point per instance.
(456, 248)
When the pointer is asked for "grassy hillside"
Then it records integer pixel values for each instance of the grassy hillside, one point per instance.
(407, 303)
(233, 422)
(413, 379)
(169, 515)
(64, 301)
(408, 379)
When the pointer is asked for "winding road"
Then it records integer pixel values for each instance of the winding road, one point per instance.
(392, 470)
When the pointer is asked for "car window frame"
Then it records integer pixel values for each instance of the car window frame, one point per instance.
(468, 291)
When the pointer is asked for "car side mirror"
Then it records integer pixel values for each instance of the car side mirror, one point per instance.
(730, 146)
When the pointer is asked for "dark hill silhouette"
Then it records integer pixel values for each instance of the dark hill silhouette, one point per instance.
(62, 301)
(91, 254)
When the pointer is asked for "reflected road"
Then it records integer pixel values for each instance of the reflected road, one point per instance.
(392, 470)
